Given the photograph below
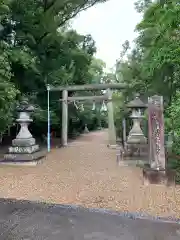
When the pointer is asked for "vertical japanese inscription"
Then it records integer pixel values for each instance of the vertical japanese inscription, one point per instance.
(156, 132)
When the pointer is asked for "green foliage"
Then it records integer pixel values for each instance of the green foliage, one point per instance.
(173, 113)
(154, 62)
(8, 91)
(153, 65)
(175, 165)
(38, 47)
(173, 125)
(97, 70)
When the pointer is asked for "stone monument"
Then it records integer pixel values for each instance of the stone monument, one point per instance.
(156, 133)
(157, 172)
(24, 149)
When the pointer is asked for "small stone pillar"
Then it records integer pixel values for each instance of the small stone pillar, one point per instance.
(86, 130)
(24, 149)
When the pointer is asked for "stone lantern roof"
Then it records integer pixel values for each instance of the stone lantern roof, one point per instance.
(136, 103)
(25, 106)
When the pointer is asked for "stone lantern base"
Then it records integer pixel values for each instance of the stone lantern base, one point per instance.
(27, 142)
(23, 155)
(23, 152)
(22, 159)
(137, 139)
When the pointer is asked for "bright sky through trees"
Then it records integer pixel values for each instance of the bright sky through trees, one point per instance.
(110, 24)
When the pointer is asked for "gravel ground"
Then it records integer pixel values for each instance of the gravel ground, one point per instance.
(86, 174)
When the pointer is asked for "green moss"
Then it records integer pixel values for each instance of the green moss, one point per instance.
(175, 165)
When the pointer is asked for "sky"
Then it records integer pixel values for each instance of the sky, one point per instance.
(110, 24)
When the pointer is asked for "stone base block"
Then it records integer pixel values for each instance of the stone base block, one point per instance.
(17, 158)
(112, 146)
(132, 162)
(21, 142)
(154, 176)
(21, 163)
(22, 150)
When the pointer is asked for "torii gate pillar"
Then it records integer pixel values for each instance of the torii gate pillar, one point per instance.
(111, 126)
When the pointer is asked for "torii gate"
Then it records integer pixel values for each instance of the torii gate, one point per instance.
(87, 87)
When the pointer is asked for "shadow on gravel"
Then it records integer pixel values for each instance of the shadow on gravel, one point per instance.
(23, 220)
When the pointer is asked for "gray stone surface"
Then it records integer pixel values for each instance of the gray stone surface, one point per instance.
(30, 221)
(28, 149)
(23, 142)
(156, 132)
(132, 162)
(24, 157)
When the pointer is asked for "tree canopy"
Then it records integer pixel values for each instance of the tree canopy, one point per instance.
(38, 47)
(153, 65)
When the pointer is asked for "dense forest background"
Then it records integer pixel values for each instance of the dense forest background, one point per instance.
(39, 47)
(152, 67)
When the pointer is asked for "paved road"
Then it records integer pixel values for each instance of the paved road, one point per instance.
(29, 221)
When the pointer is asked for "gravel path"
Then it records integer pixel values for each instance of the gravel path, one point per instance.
(86, 174)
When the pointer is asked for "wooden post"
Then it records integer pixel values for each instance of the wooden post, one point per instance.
(64, 118)
(111, 127)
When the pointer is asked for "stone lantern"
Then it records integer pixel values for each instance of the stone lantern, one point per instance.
(136, 135)
(24, 148)
(24, 137)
